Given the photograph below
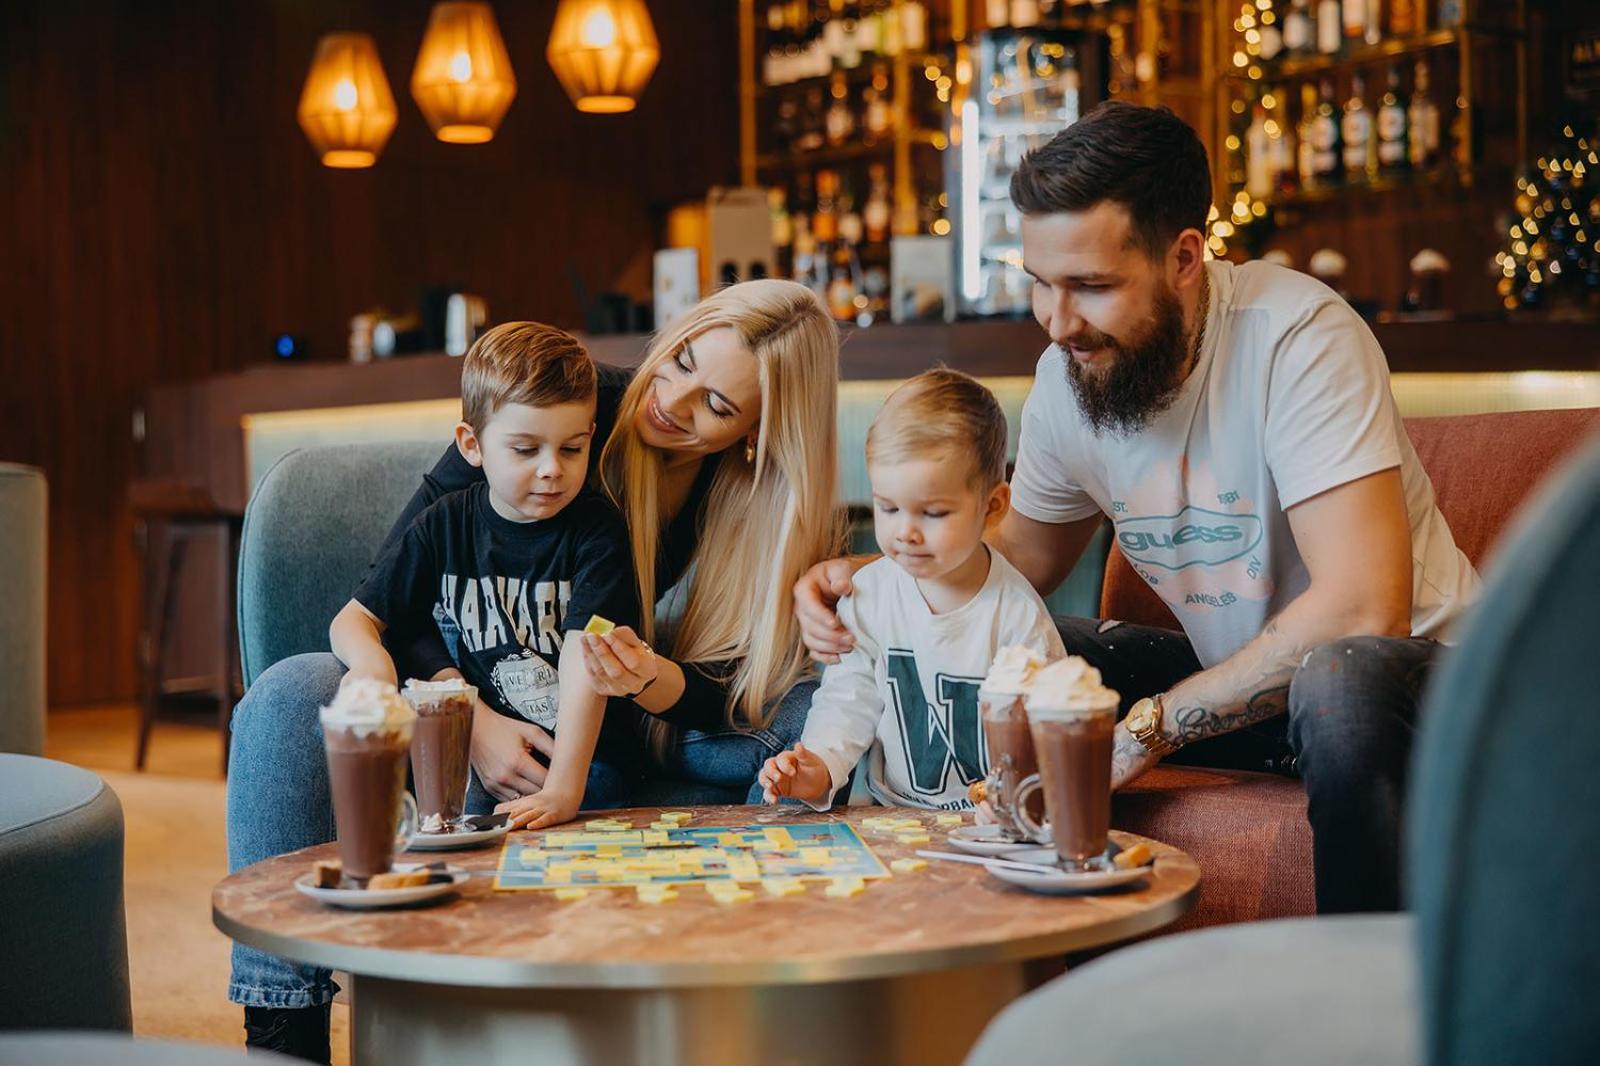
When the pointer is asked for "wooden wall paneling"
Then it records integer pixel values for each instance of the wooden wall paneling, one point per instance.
(162, 217)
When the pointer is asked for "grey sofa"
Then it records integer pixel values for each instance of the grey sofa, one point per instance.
(23, 507)
(1499, 960)
(63, 936)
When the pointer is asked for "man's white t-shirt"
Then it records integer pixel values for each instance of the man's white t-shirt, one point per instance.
(1289, 398)
(908, 691)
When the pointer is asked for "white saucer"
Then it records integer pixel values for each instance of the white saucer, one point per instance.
(466, 838)
(1053, 881)
(374, 899)
(985, 840)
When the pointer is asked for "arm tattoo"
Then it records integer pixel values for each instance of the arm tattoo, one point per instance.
(1198, 723)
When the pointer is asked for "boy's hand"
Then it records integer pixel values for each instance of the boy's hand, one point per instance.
(540, 810)
(799, 773)
(618, 662)
(500, 748)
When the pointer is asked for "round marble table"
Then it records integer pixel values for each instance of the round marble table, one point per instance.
(909, 971)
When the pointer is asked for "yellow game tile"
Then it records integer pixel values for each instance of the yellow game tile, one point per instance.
(531, 855)
(656, 894)
(908, 866)
(608, 850)
(571, 893)
(557, 875)
(783, 886)
(599, 626)
(948, 820)
(912, 838)
(907, 823)
(816, 856)
(730, 840)
(610, 873)
(845, 887)
(736, 895)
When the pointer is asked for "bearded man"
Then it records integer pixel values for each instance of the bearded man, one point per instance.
(1235, 424)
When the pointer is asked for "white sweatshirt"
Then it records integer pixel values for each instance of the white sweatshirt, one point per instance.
(908, 690)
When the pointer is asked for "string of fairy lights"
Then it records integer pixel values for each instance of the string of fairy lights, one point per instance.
(1243, 210)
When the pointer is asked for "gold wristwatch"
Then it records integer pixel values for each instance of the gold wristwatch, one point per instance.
(1144, 722)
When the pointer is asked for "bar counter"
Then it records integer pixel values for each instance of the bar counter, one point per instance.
(198, 431)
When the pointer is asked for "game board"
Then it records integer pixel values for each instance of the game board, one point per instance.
(623, 857)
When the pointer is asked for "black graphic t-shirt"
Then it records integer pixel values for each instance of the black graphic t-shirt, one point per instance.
(513, 589)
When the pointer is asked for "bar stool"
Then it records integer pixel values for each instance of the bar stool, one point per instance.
(169, 516)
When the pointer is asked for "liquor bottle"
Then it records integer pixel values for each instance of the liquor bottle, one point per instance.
(1355, 20)
(1392, 148)
(877, 116)
(1271, 39)
(913, 25)
(1325, 146)
(1403, 19)
(1329, 27)
(1258, 180)
(849, 55)
(1306, 152)
(1450, 12)
(772, 61)
(782, 229)
(875, 216)
(808, 131)
(850, 226)
(825, 220)
(1024, 13)
(844, 284)
(841, 121)
(1298, 28)
(997, 14)
(1422, 121)
(1285, 175)
(1356, 132)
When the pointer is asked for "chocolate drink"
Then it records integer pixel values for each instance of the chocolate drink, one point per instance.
(1005, 730)
(367, 775)
(1074, 753)
(441, 747)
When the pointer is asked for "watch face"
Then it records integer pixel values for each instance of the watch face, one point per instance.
(1139, 717)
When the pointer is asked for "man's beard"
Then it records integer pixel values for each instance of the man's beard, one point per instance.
(1141, 379)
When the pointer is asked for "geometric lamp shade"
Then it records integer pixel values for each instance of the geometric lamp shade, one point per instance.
(346, 108)
(603, 52)
(463, 81)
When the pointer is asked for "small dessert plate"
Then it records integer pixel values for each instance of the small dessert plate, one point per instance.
(1054, 881)
(443, 882)
(986, 840)
(479, 829)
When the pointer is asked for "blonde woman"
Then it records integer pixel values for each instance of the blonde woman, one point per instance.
(720, 452)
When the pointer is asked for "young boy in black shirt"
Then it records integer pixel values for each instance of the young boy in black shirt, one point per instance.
(517, 561)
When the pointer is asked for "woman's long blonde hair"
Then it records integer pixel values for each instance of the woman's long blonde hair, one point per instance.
(765, 521)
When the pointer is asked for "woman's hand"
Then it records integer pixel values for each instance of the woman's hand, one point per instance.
(500, 748)
(816, 595)
(618, 663)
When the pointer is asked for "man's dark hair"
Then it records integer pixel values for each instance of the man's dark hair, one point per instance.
(1145, 158)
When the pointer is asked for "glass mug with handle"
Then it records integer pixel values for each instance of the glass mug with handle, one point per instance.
(368, 730)
(1073, 727)
(1011, 761)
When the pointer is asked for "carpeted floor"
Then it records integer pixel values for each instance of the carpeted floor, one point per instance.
(176, 851)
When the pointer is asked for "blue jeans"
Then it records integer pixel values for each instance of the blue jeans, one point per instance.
(1346, 734)
(279, 800)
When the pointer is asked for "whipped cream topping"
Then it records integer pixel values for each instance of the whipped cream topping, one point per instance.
(1013, 671)
(365, 706)
(1069, 687)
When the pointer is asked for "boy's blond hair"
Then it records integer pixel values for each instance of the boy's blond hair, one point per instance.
(523, 362)
(942, 410)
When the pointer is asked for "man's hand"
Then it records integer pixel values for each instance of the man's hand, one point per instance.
(500, 756)
(1129, 758)
(799, 773)
(540, 810)
(816, 595)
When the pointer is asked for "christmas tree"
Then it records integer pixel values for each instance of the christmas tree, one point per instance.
(1552, 253)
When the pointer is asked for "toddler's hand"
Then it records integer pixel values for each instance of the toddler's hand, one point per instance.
(541, 810)
(798, 773)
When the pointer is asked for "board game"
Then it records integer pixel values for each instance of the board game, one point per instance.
(673, 854)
